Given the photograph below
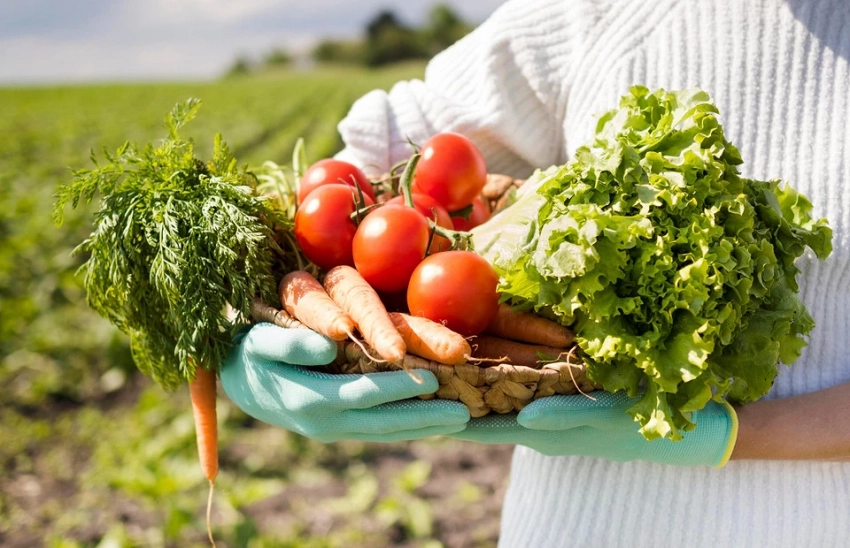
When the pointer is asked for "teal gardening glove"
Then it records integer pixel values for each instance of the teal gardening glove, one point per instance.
(577, 425)
(267, 374)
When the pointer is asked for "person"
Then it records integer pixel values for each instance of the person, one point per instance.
(526, 87)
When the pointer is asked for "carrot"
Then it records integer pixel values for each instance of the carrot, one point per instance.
(202, 394)
(529, 328)
(356, 297)
(304, 297)
(352, 358)
(516, 353)
(431, 340)
(261, 312)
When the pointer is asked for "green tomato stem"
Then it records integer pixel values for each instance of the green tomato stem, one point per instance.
(361, 212)
(459, 238)
(407, 179)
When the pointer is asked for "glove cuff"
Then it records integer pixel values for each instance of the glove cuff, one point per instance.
(709, 444)
(733, 435)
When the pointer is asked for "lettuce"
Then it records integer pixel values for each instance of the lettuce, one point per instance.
(676, 273)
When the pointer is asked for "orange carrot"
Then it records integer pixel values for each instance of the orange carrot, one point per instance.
(304, 298)
(202, 394)
(356, 297)
(431, 340)
(516, 353)
(529, 328)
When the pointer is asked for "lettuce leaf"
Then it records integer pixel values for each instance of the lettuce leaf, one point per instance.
(676, 273)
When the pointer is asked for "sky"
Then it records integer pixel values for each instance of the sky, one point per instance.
(48, 41)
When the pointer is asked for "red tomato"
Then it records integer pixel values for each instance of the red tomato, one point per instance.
(429, 207)
(451, 170)
(388, 245)
(457, 288)
(323, 226)
(329, 171)
(479, 215)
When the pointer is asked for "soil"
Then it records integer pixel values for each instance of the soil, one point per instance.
(470, 522)
(464, 490)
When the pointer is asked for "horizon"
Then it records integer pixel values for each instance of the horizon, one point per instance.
(117, 41)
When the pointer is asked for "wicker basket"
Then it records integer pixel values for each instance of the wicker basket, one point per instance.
(500, 388)
(484, 386)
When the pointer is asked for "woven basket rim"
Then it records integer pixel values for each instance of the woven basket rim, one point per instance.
(499, 387)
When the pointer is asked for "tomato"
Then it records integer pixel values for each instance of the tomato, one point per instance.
(479, 215)
(330, 171)
(451, 170)
(457, 288)
(389, 244)
(429, 207)
(323, 226)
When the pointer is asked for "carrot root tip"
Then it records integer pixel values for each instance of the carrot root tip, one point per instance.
(569, 362)
(209, 513)
(362, 346)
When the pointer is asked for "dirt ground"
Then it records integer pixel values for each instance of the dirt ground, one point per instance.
(457, 523)
(459, 485)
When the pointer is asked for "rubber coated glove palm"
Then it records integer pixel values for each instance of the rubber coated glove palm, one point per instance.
(264, 375)
(577, 425)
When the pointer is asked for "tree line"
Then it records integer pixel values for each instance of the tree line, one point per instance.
(386, 39)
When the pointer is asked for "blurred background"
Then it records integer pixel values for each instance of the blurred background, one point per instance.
(93, 453)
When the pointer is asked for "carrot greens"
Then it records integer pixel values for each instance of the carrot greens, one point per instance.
(176, 240)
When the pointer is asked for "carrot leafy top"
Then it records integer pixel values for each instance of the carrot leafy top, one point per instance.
(174, 241)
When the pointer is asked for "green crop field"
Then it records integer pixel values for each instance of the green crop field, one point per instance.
(94, 454)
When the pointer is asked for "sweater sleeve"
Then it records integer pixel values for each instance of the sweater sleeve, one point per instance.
(504, 86)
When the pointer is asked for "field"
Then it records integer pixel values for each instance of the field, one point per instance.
(93, 453)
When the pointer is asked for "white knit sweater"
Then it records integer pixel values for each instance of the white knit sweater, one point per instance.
(527, 86)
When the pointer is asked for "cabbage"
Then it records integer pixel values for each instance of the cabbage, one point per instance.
(676, 273)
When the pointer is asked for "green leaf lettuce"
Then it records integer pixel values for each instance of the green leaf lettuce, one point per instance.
(676, 273)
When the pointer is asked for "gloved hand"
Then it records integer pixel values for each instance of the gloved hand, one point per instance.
(264, 375)
(577, 425)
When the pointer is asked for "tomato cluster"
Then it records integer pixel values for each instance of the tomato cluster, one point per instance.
(396, 247)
